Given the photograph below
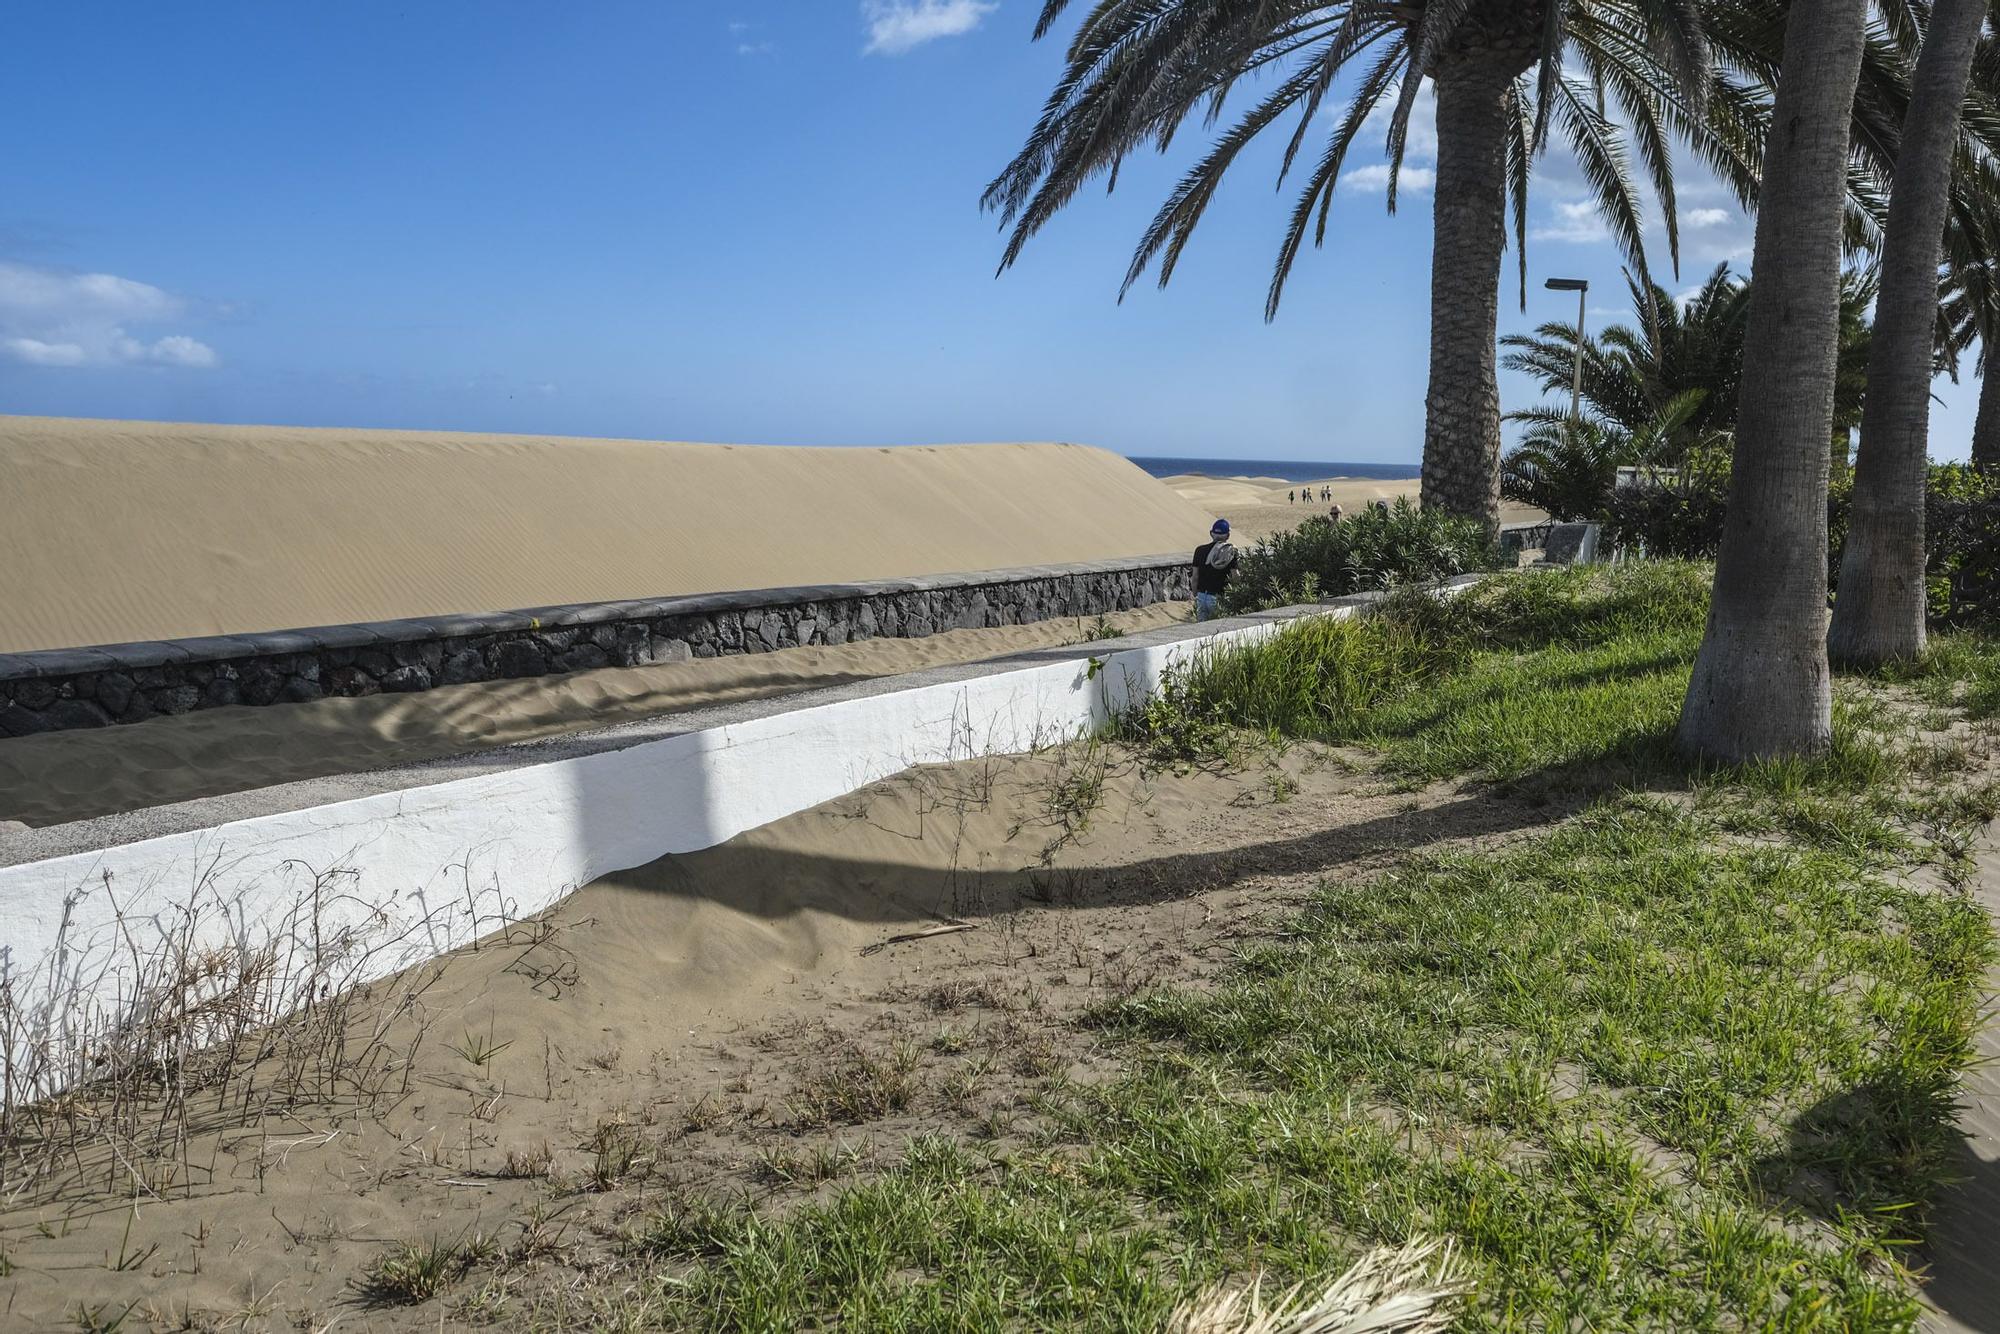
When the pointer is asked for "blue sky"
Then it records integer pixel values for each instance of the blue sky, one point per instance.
(731, 220)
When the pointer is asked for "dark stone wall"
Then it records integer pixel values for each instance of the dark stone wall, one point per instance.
(122, 683)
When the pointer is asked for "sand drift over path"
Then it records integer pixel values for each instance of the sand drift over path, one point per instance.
(113, 532)
(75, 775)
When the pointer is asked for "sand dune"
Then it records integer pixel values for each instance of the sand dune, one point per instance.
(118, 531)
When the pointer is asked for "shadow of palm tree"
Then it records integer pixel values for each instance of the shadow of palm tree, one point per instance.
(1889, 1147)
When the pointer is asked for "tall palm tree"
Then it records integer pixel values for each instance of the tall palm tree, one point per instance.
(1507, 73)
(1986, 421)
(1969, 307)
(1879, 614)
(1761, 686)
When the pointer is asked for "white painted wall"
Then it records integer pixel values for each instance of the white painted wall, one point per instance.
(357, 889)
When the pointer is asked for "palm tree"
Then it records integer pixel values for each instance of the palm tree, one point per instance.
(1569, 467)
(1761, 686)
(1986, 421)
(1969, 307)
(1506, 73)
(1632, 375)
(1879, 614)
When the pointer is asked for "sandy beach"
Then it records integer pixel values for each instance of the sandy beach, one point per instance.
(125, 531)
(1256, 507)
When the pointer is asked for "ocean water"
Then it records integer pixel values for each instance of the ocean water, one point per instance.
(1290, 470)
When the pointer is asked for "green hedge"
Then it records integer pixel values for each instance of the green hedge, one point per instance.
(1372, 550)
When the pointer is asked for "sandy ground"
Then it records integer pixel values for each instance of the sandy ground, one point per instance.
(1964, 1262)
(1257, 506)
(60, 776)
(122, 531)
(696, 1015)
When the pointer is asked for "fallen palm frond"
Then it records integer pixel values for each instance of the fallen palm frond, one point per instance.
(1415, 1289)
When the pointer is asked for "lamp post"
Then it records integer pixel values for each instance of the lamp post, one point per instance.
(1581, 286)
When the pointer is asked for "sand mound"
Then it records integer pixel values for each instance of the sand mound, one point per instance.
(119, 531)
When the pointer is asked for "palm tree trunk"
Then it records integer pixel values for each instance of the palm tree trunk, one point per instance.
(1878, 615)
(1761, 687)
(1468, 234)
(1986, 426)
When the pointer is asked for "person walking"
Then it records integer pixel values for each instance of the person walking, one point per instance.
(1291, 497)
(1214, 562)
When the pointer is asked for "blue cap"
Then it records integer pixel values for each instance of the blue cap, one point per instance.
(1221, 528)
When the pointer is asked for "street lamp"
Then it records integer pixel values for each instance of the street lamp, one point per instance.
(1581, 286)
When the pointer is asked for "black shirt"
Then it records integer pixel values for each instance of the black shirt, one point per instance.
(1210, 578)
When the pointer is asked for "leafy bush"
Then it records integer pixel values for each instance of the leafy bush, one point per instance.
(1682, 518)
(1372, 550)
(1962, 532)
(1678, 516)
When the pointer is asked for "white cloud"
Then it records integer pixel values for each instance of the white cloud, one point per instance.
(1575, 221)
(49, 317)
(1697, 218)
(896, 26)
(173, 350)
(37, 353)
(29, 290)
(1420, 140)
(1374, 179)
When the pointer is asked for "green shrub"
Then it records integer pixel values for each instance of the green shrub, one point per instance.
(1678, 517)
(1372, 550)
(1962, 532)
(1310, 679)
(1682, 518)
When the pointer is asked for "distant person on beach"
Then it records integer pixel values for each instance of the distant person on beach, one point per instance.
(1214, 562)
(1291, 497)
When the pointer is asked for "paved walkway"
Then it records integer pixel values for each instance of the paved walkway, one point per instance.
(1965, 1254)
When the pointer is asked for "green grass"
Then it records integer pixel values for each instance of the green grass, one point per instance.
(1685, 1060)
(1647, 1076)
(415, 1271)
(1534, 673)
(1961, 669)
